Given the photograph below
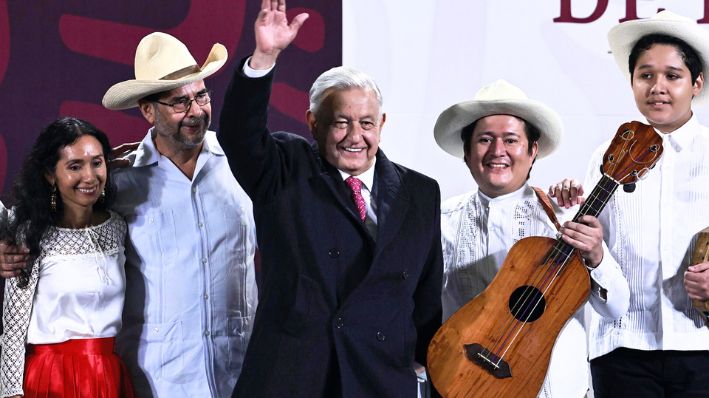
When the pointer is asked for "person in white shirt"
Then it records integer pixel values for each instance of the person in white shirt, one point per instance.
(191, 294)
(499, 135)
(61, 315)
(660, 347)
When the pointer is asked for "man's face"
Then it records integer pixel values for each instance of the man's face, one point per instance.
(179, 131)
(347, 128)
(498, 155)
(663, 87)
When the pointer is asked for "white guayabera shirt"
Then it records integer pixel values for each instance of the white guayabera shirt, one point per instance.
(651, 233)
(190, 293)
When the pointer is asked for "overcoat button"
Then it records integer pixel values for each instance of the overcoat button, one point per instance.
(339, 322)
(381, 336)
(333, 253)
(404, 275)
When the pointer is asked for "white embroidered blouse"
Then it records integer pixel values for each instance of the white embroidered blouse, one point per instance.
(76, 290)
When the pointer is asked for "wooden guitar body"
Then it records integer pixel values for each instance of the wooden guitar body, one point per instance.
(499, 344)
(471, 324)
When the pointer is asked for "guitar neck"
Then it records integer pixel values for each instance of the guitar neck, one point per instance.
(598, 198)
(596, 201)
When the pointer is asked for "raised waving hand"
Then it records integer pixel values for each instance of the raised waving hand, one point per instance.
(273, 32)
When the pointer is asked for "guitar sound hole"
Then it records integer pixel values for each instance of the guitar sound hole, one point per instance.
(527, 303)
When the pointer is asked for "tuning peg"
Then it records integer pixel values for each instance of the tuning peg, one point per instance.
(629, 188)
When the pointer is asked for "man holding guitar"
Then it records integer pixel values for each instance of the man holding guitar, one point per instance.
(499, 135)
(660, 347)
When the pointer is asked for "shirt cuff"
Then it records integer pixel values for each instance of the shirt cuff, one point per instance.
(255, 73)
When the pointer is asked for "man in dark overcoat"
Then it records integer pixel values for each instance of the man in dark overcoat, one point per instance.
(351, 291)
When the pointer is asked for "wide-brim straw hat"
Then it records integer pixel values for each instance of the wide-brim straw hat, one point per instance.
(162, 63)
(498, 98)
(622, 38)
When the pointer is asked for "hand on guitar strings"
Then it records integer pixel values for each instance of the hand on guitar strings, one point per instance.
(568, 193)
(586, 236)
(696, 281)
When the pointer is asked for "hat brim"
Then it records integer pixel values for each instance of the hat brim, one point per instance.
(126, 94)
(622, 38)
(451, 122)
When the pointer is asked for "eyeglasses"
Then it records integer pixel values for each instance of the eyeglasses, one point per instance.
(184, 104)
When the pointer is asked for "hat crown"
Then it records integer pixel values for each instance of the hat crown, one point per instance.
(159, 55)
(498, 91)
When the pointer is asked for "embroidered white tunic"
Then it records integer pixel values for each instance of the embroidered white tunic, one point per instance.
(477, 233)
(651, 233)
(75, 291)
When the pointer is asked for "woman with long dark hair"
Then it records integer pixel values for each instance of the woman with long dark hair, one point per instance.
(61, 314)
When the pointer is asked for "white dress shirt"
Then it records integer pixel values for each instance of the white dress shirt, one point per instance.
(191, 293)
(651, 233)
(477, 233)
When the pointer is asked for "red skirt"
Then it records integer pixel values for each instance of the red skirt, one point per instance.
(82, 368)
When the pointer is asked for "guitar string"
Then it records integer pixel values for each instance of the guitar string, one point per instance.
(588, 204)
(561, 265)
(509, 327)
(560, 260)
(554, 270)
(523, 302)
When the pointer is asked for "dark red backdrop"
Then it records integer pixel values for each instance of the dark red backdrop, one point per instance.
(59, 57)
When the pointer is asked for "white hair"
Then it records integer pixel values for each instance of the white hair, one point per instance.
(341, 78)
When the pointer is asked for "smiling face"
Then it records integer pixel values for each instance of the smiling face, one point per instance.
(176, 132)
(663, 88)
(498, 154)
(80, 174)
(347, 129)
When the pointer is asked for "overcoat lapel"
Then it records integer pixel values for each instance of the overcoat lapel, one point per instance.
(393, 200)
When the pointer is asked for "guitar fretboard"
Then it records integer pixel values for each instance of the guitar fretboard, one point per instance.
(593, 206)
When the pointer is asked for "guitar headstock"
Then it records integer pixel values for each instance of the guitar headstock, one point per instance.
(633, 151)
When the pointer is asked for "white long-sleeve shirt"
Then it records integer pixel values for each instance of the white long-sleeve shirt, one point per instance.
(191, 294)
(651, 234)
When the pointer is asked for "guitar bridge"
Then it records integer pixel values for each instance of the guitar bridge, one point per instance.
(484, 358)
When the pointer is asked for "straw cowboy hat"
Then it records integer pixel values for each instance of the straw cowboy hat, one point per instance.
(162, 63)
(623, 37)
(498, 98)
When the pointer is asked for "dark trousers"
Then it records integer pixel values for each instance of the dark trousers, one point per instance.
(626, 373)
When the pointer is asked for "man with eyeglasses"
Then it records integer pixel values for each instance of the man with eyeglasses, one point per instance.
(190, 292)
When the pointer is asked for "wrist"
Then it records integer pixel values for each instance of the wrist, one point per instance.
(261, 60)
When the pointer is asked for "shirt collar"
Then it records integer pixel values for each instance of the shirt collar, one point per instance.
(148, 154)
(683, 136)
(367, 177)
(502, 199)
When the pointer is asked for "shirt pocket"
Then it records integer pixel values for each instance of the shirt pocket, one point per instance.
(230, 225)
(156, 351)
(154, 239)
(168, 355)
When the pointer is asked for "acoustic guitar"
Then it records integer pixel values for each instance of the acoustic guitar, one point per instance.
(700, 255)
(499, 344)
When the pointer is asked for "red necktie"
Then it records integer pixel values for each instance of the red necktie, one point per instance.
(355, 185)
